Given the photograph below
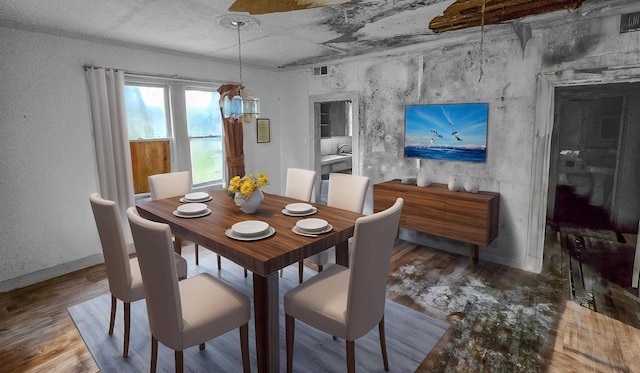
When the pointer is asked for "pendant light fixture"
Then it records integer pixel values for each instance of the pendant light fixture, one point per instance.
(244, 105)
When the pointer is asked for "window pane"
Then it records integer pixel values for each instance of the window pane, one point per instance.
(206, 159)
(203, 113)
(146, 112)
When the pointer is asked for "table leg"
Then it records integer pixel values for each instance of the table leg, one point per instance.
(177, 245)
(342, 253)
(473, 255)
(267, 317)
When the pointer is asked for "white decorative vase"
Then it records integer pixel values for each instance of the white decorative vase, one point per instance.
(472, 185)
(454, 184)
(423, 179)
(249, 204)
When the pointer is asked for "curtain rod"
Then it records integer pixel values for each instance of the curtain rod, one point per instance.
(176, 78)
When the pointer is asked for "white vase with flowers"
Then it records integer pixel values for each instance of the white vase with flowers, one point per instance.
(247, 191)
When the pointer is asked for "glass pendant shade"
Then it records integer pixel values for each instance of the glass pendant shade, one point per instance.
(236, 107)
(251, 105)
(226, 107)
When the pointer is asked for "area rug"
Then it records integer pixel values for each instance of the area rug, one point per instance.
(501, 319)
(410, 336)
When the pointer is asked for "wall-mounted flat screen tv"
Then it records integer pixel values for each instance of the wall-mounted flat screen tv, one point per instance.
(453, 132)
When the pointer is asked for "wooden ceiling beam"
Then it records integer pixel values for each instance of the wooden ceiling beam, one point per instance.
(468, 13)
(278, 6)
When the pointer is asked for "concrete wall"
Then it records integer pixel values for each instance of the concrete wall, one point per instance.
(47, 159)
(496, 71)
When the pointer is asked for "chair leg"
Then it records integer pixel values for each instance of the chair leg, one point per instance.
(219, 263)
(245, 272)
(351, 356)
(282, 273)
(195, 245)
(154, 354)
(177, 245)
(127, 328)
(244, 347)
(202, 346)
(179, 362)
(300, 271)
(320, 268)
(383, 344)
(112, 321)
(289, 333)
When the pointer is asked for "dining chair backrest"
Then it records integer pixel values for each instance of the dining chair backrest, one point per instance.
(373, 241)
(299, 184)
(169, 184)
(347, 191)
(155, 256)
(114, 249)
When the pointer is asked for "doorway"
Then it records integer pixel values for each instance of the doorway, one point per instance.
(592, 191)
(335, 137)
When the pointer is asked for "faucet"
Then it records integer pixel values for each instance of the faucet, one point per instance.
(340, 146)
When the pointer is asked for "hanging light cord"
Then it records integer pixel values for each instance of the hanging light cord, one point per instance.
(481, 39)
(238, 24)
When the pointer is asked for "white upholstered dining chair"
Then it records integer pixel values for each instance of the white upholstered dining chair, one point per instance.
(174, 184)
(348, 302)
(186, 313)
(299, 185)
(123, 273)
(345, 192)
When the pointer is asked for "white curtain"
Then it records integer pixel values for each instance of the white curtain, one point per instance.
(110, 133)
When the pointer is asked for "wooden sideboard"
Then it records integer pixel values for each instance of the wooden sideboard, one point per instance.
(461, 216)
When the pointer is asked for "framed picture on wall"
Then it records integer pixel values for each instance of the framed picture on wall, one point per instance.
(449, 132)
(264, 130)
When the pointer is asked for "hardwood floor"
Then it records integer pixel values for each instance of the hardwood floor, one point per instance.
(37, 334)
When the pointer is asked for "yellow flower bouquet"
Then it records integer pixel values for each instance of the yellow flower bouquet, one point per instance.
(246, 185)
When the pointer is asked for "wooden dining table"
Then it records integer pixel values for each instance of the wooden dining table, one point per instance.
(264, 257)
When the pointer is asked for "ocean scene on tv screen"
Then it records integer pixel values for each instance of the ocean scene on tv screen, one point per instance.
(454, 132)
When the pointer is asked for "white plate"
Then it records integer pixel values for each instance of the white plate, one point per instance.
(184, 200)
(311, 225)
(313, 211)
(268, 233)
(197, 196)
(191, 208)
(298, 208)
(327, 229)
(250, 228)
(204, 213)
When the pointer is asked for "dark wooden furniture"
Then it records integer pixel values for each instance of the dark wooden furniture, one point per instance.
(148, 158)
(264, 257)
(461, 216)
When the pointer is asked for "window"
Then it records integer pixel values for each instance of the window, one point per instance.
(204, 128)
(147, 111)
(174, 126)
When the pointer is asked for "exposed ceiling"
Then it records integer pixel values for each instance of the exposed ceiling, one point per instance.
(314, 34)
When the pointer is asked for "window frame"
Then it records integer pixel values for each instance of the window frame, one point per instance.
(176, 116)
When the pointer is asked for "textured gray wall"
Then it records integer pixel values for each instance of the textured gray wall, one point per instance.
(496, 71)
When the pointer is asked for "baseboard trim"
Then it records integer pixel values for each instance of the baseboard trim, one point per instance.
(49, 273)
(455, 247)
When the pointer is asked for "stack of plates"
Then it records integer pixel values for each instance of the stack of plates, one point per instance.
(313, 226)
(250, 230)
(192, 210)
(299, 209)
(196, 197)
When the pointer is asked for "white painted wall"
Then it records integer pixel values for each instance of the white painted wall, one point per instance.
(47, 158)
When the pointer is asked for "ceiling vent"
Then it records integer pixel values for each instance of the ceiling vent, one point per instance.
(319, 71)
(630, 22)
